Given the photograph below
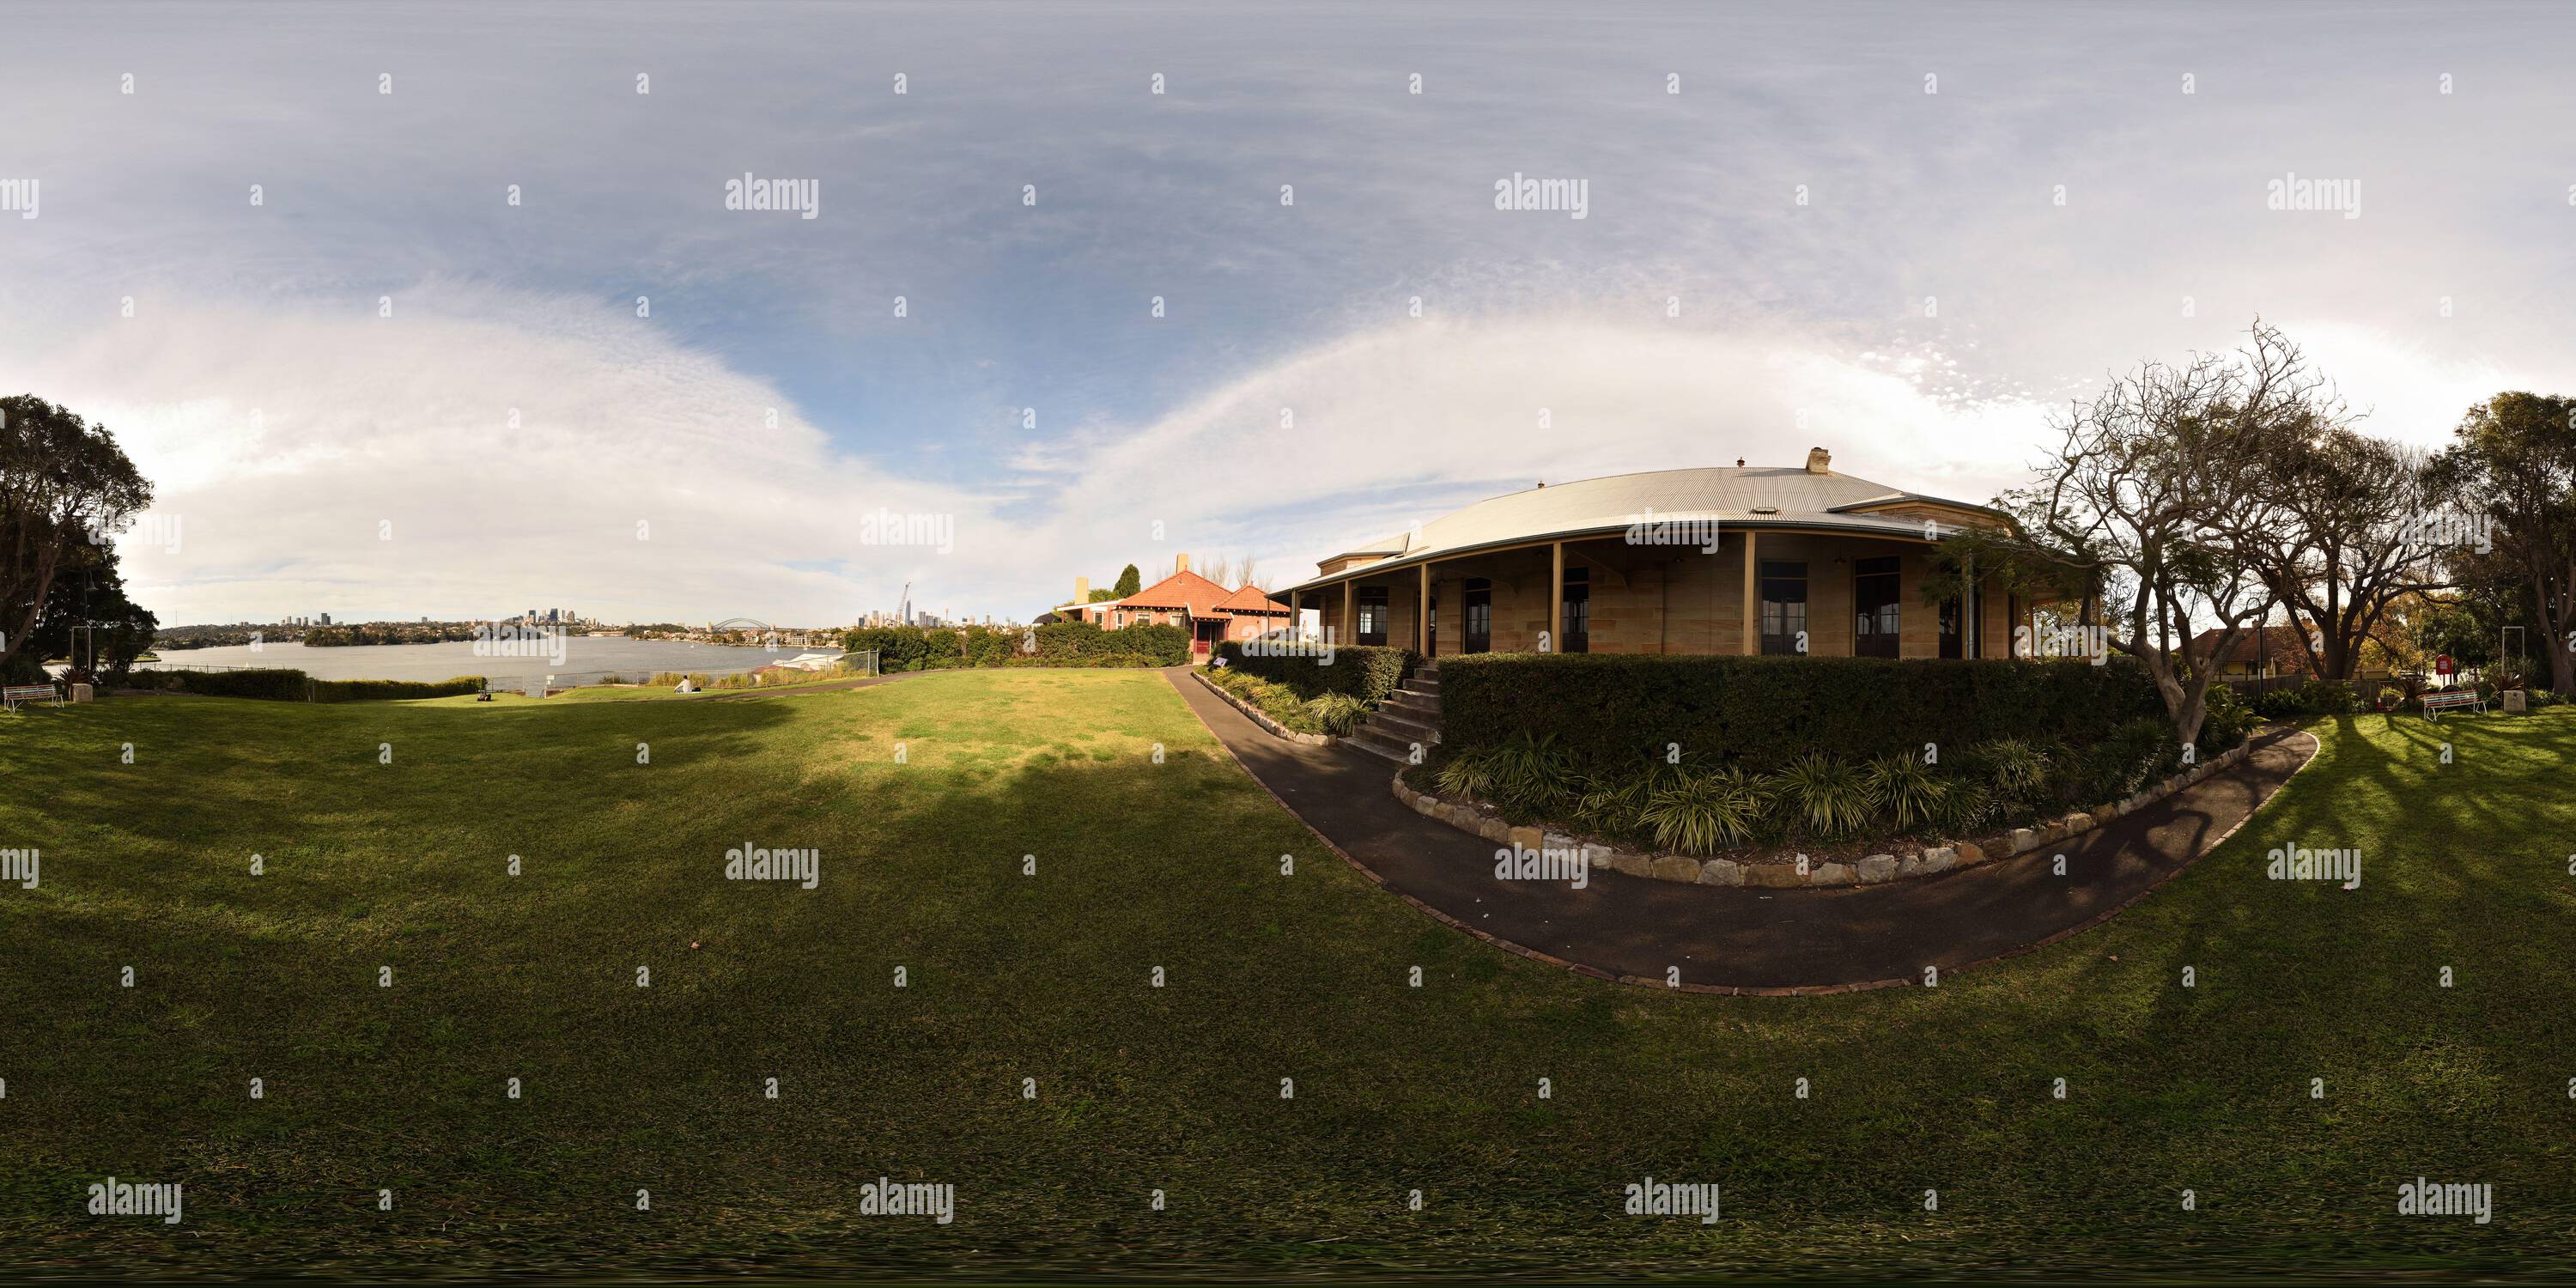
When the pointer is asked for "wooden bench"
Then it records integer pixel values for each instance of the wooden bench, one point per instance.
(12, 695)
(2453, 700)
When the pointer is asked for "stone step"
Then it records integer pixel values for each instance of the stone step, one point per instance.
(1403, 726)
(1425, 704)
(1422, 683)
(1371, 743)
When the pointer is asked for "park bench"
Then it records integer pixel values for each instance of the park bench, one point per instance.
(2453, 700)
(14, 694)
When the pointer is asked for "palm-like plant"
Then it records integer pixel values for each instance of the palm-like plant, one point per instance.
(1338, 713)
(1906, 790)
(2018, 768)
(1697, 813)
(1827, 795)
(1534, 774)
(1465, 775)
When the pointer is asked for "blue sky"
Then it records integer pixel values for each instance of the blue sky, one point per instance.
(1919, 314)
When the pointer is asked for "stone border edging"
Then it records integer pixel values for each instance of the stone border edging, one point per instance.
(1481, 820)
(1260, 717)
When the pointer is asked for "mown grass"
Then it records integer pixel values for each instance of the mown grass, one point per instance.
(1268, 976)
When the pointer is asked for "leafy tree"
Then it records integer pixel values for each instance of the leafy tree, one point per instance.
(2343, 536)
(89, 591)
(1129, 582)
(2513, 462)
(64, 487)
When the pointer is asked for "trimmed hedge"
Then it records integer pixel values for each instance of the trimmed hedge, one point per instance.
(1613, 708)
(394, 690)
(287, 684)
(282, 684)
(914, 648)
(1368, 672)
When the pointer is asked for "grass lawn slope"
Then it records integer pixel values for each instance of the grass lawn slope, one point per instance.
(1175, 862)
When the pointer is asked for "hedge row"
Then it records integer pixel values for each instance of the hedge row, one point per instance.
(915, 648)
(1368, 672)
(394, 690)
(1611, 708)
(286, 684)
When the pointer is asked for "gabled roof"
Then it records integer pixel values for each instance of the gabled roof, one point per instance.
(1251, 599)
(1185, 590)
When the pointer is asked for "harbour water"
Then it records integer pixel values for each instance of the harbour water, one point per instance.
(583, 659)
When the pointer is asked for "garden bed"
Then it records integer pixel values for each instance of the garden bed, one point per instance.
(1782, 866)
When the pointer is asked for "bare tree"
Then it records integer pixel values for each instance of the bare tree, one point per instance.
(2150, 492)
(2341, 537)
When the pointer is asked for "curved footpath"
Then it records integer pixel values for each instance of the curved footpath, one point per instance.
(1745, 940)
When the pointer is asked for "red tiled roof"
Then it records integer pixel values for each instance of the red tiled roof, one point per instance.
(1185, 590)
(1251, 600)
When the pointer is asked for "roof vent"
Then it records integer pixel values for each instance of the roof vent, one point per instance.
(1819, 461)
(1766, 509)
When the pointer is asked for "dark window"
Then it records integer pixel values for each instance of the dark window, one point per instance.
(1480, 616)
(1578, 611)
(1951, 622)
(1784, 606)
(1876, 616)
(1372, 614)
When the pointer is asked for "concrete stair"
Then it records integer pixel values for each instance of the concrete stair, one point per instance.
(1411, 716)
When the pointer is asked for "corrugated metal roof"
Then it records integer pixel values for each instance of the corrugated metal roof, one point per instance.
(1728, 494)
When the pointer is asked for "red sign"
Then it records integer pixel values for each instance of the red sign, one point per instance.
(2442, 665)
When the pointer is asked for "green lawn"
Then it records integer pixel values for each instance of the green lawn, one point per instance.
(1176, 864)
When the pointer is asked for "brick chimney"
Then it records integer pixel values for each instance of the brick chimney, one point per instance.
(1180, 563)
(1819, 461)
(1082, 590)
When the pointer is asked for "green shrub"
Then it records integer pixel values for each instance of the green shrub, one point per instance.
(394, 690)
(1337, 713)
(2135, 754)
(915, 648)
(2226, 720)
(1367, 672)
(282, 684)
(1698, 813)
(1610, 708)
(1273, 699)
(1463, 774)
(1532, 775)
(1908, 794)
(1826, 795)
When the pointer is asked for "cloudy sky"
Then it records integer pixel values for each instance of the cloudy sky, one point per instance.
(1902, 232)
